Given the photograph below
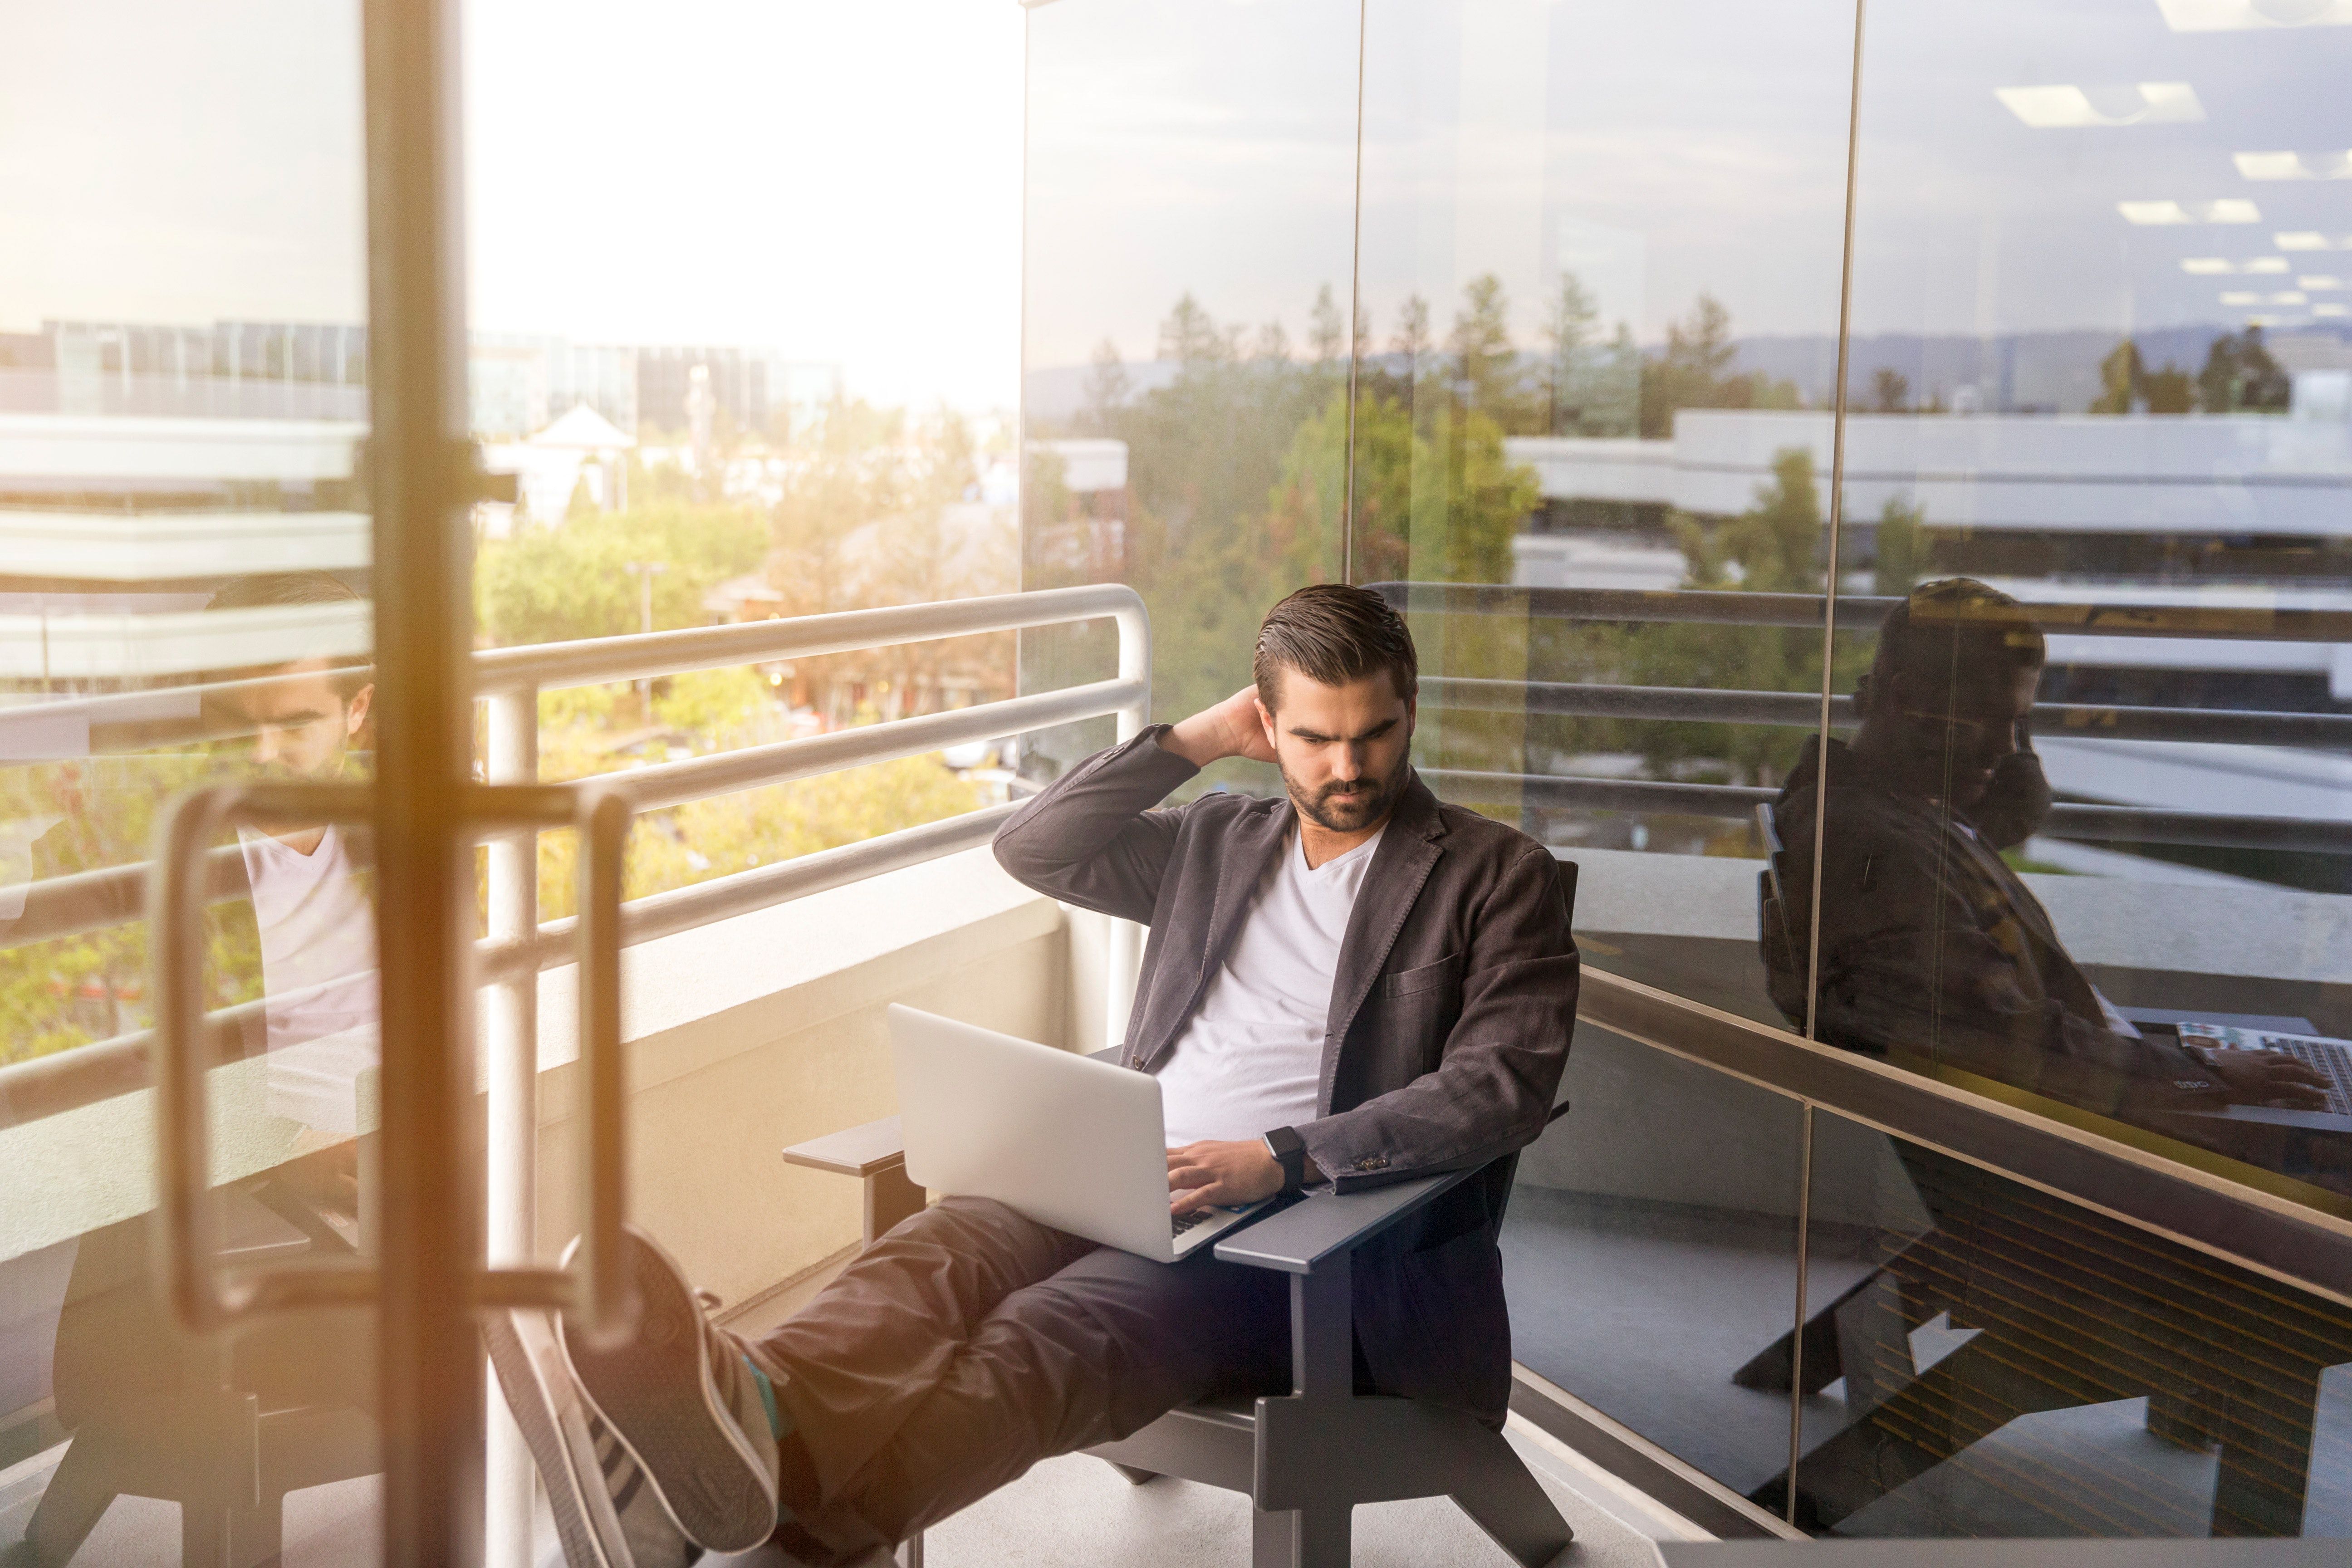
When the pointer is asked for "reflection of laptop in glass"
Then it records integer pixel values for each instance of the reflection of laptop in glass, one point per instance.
(2331, 1059)
(1068, 1141)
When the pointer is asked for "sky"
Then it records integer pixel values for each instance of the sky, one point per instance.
(843, 180)
(1671, 148)
(839, 182)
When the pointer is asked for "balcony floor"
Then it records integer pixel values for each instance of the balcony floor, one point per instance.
(1074, 1512)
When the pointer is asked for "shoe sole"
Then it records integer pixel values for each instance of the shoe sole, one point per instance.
(589, 1535)
(655, 1393)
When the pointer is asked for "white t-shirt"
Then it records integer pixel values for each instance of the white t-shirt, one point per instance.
(1252, 1059)
(318, 972)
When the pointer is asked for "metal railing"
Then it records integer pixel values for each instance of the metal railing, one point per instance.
(518, 945)
(1796, 710)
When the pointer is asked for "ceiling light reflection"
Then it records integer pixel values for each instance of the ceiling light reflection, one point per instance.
(2294, 165)
(2065, 106)
(2221, 265)
(2239, 15)
(2228, 209)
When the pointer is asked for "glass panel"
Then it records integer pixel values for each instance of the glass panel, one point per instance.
(1600, 259)
(1650, 1255)
(1998, 1361)
(749, 349)
(1191, 193)
(182, 410)
(753, 401)
(2098, 365)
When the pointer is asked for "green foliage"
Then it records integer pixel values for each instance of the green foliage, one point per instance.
(1694, 372)
(2121, 374)
(555, 583)
(1595, 386)
(711, 702)
(1775, 546)
(2240, 375)
(1902, 551)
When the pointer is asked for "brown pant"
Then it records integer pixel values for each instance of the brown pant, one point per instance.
(970, 1344)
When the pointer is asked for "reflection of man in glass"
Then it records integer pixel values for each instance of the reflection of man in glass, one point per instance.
(312, 913)
(1930, 946)
(298, 900)
(1930, 943)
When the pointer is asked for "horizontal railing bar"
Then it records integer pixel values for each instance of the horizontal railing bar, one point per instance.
(596, 661)
(110, 895)
(593, 661)
(2122, 824)
(105, 1070)
(1856, 612)
(91, 900)
(1801, 710)
(781, 761)
(1656, 797)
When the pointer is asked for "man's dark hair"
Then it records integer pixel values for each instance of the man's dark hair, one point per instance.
(281, 588)
(1952, 626)
(1333, 634)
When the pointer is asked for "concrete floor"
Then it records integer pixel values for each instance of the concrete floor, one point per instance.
(1073, 1512)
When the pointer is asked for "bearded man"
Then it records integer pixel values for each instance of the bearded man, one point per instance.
(1349, 983)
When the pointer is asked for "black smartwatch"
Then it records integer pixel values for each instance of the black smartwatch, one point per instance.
(1289, 1152)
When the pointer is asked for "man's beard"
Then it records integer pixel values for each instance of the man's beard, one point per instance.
(1349, 807)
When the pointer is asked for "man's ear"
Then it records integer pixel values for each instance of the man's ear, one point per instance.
(1411, 714)
(355, 712)
(1265, 716)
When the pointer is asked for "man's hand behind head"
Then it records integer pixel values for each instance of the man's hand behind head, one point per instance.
(1233, 728)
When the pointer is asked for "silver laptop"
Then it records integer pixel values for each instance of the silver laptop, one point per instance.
(1068, 1141)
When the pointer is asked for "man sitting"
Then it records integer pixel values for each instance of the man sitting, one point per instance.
(1354, 983)
(1930, 943)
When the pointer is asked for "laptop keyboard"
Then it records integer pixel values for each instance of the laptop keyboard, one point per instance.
(2328, 1058)
(1181, 1222)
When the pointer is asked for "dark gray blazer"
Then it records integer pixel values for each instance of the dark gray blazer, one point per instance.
(1450, 1018)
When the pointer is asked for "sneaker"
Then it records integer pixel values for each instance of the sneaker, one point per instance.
(606, 1513)
(686, 1407)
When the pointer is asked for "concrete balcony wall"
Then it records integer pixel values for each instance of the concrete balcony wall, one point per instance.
(762, 1031)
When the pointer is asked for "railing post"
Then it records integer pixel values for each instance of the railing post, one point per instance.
(510, 1046)
(1126, 945)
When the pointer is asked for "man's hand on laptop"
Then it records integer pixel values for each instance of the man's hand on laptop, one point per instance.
(1233, 728)
(2268, 1078)
(1209, 1174)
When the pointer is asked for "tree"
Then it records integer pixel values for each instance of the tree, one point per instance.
(1775, 546)
(1191, 338)
(1411, 340)
(553, 584)
(1326, 335)
(1694, 371)
(1901, 550)
(2239, 373)
(1484, 359)
(1567, 331)
(1890, 391)
(1107, 386)
(2122, 375)
(2169, 390)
